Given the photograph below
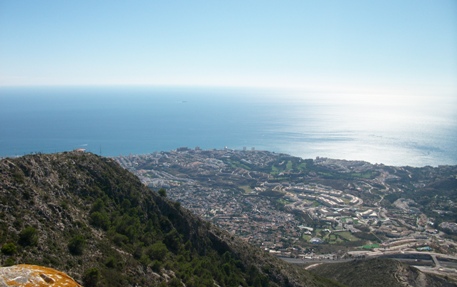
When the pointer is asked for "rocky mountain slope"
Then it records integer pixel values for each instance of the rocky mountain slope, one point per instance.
(379, 272)
(88, 217)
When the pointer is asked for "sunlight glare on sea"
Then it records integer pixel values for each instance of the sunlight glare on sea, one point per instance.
(112, 121)
(390, 129)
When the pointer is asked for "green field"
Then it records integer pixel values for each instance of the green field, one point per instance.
(289, 165)
(307, 238)
(246, 188)
(370, 246)
(347, 236)
(274, 170)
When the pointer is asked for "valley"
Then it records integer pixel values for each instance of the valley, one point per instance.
(239, 219)
(310, 209)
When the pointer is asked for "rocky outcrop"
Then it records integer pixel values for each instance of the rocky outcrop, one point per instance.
(34, 276)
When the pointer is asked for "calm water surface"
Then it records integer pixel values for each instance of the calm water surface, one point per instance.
(114, 121)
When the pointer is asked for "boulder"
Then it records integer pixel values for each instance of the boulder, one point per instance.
(33, 275)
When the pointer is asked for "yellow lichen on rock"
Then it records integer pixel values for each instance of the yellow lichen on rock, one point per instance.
(25, 275)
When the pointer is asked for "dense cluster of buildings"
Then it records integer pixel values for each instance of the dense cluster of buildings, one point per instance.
(222, 187)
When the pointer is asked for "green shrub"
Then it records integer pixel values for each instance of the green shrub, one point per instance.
(138, 252)
(144, 260)
(28, 237)
(120, 239)
(111, 262)
(9, 248)
(90, 277)
(99, 219)
(99, 205)
(76, 245)
(18, 176)
(173, 241)
(10, 261)
(156, 266)
(157, 251)
(162, 192)
(175, 282)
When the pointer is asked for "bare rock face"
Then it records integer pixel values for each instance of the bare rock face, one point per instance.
(33, 275)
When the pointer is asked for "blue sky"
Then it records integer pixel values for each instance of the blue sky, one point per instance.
(391, 46)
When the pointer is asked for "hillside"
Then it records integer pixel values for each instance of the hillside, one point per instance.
(88, 217)
(379, 272)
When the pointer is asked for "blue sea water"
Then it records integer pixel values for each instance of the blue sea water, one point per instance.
(125, 120)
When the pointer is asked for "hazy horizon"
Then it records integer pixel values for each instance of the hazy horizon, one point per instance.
(406, 47)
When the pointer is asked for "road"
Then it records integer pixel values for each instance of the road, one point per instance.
(312, 261)
(449, 262)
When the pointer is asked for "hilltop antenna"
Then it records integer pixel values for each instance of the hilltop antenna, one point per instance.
(100, 150)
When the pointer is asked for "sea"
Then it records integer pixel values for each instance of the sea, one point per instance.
(391, 129)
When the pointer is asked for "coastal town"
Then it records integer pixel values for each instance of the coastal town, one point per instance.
(309, 209)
